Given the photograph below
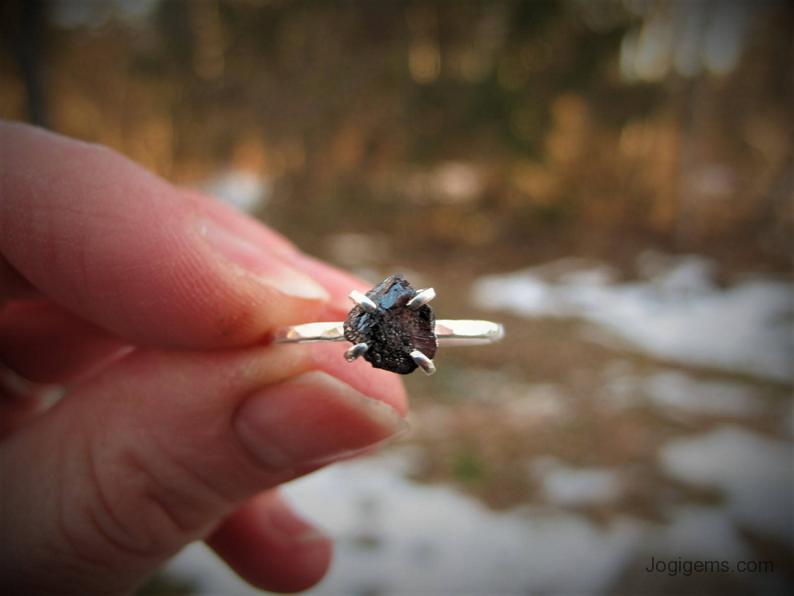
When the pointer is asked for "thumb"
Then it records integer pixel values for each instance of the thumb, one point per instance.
(161, 447)
(131, 253)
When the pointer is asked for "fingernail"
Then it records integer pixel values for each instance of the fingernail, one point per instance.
(312, 419)
(331, 276)
(265, 266)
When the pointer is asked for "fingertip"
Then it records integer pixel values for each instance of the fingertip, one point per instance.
(270, 546)
(336, 282)
(339, 283)
(243, 224)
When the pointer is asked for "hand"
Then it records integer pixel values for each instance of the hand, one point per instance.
(152, 306)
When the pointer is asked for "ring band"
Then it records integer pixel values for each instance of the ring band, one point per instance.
(394, 328)
(449, 332)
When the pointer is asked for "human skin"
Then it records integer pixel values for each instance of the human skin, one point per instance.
(152, 306)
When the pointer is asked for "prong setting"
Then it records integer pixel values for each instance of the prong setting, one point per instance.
(365, 302)
(423, 362)
(356, 351)
(421, 298)
(393, 330)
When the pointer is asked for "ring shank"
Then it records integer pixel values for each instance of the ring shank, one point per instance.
(449, 332)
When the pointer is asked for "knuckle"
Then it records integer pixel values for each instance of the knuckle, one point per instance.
(178, 501)
(100, 524)
(134, 509)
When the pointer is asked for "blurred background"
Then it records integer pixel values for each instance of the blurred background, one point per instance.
(613, 180)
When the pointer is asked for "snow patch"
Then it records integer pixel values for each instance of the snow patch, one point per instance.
(755, 474)
(682, 393)
(678, 313)
(242, 189)
(397, 537)
(701, 533)
(575, 487)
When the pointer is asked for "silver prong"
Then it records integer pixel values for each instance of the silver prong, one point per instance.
(355, 351)
(422, 297)
(423, 362)
(365, 302)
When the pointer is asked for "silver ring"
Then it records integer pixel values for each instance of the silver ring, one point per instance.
(393, 327)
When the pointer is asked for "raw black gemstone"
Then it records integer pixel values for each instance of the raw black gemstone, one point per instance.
(393, 331)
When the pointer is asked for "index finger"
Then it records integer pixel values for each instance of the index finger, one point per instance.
(127, 251)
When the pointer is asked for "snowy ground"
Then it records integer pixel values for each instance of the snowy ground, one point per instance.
(397, 537)
(753, 473)
(677, 313)
(718, 466)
